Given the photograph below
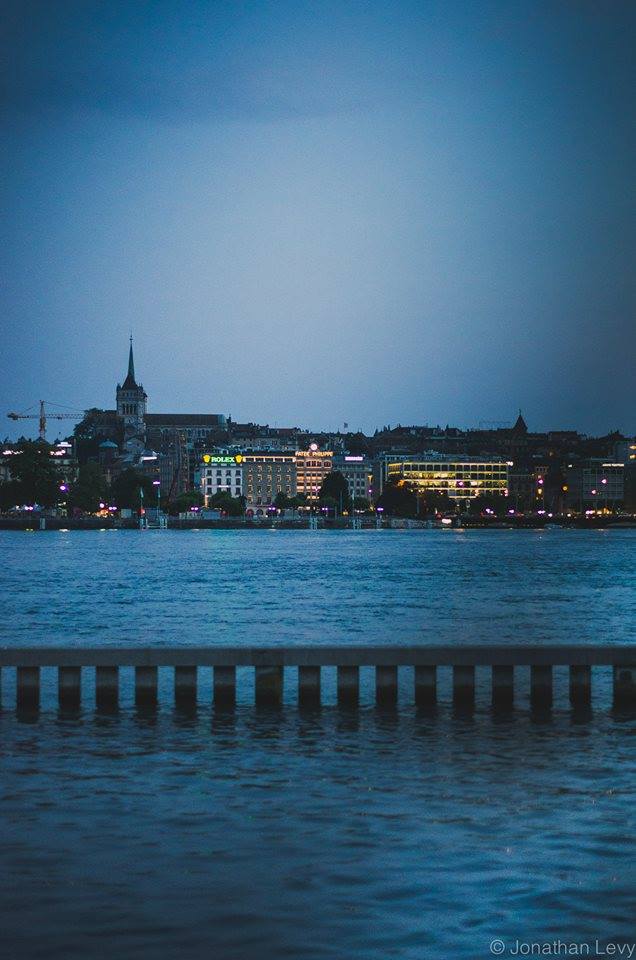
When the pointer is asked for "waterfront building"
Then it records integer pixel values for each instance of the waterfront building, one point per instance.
(595, 484)
(462, 479)
(221, 472)
(266, 474)
(312, 466)
(358, 472)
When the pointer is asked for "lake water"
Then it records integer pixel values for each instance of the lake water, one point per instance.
(335, 835)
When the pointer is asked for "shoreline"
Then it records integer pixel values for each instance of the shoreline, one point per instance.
(66, 525)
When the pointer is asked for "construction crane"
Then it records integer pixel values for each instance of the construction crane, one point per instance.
(43, 416)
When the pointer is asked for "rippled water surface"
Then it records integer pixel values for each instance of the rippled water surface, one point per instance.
(320, 587)
(258, 834)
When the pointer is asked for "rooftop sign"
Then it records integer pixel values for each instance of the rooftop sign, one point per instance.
(209, 458)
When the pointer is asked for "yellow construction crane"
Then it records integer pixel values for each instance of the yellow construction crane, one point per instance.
(43, 416)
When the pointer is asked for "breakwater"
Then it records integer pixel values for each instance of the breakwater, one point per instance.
(270, 663)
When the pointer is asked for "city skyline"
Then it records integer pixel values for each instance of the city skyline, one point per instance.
(21, 425)
(317, 215)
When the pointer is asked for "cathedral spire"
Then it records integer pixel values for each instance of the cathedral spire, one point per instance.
(130, 383)
(131, 362)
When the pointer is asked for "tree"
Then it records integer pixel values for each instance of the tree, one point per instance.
(360, 503)
(36, 475)
(229, 505)
(91, 430)
(488, 501)
(89, 490)
(124, 491)
(435, 501)
(9, 495)
(335, 487)
(398, 499)
(184, 502)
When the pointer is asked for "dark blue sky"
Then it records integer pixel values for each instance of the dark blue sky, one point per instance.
(311, 213)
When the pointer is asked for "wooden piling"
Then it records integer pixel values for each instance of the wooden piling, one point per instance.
(348, 686)
(146, 687)
(386, 686)
(28, 688)
(309, 686)
(69, 687)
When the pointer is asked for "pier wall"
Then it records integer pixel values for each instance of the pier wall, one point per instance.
(503, 664)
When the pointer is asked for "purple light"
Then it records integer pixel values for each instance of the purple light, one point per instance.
(101, 506)
(63, 487)
(603, 480)
(511, 511)
(380, 509)
(156, 483)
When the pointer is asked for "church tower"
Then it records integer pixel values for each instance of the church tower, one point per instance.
(131, 408)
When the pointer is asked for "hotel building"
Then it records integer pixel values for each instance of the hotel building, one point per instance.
(460, 478)
(267, 474)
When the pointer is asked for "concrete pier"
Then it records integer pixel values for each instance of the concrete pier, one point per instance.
(146, 687)
(69, 688)
(348, 686)
(625, 686)
(425, 687)
(464, 687)
(503, 687)
(106, 689)
(28, 688)
(269, 686)
(185, 687)
(309, 693)
(269, 663)
(224, 687)
(386, 686)
(541, 687)
(580, 686)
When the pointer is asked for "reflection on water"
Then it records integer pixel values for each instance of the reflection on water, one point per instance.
(326, 834)
(296, 586)
(263, 833)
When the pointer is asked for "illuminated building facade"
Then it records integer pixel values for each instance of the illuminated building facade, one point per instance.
(221, 473)
(461, 479)
(312, 466)
(267, 474)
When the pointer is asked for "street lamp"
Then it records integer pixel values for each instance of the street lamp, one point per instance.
(157, 484)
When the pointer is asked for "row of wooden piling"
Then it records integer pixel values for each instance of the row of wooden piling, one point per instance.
(269, 684)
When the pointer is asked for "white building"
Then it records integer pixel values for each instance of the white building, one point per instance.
(221, 473)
